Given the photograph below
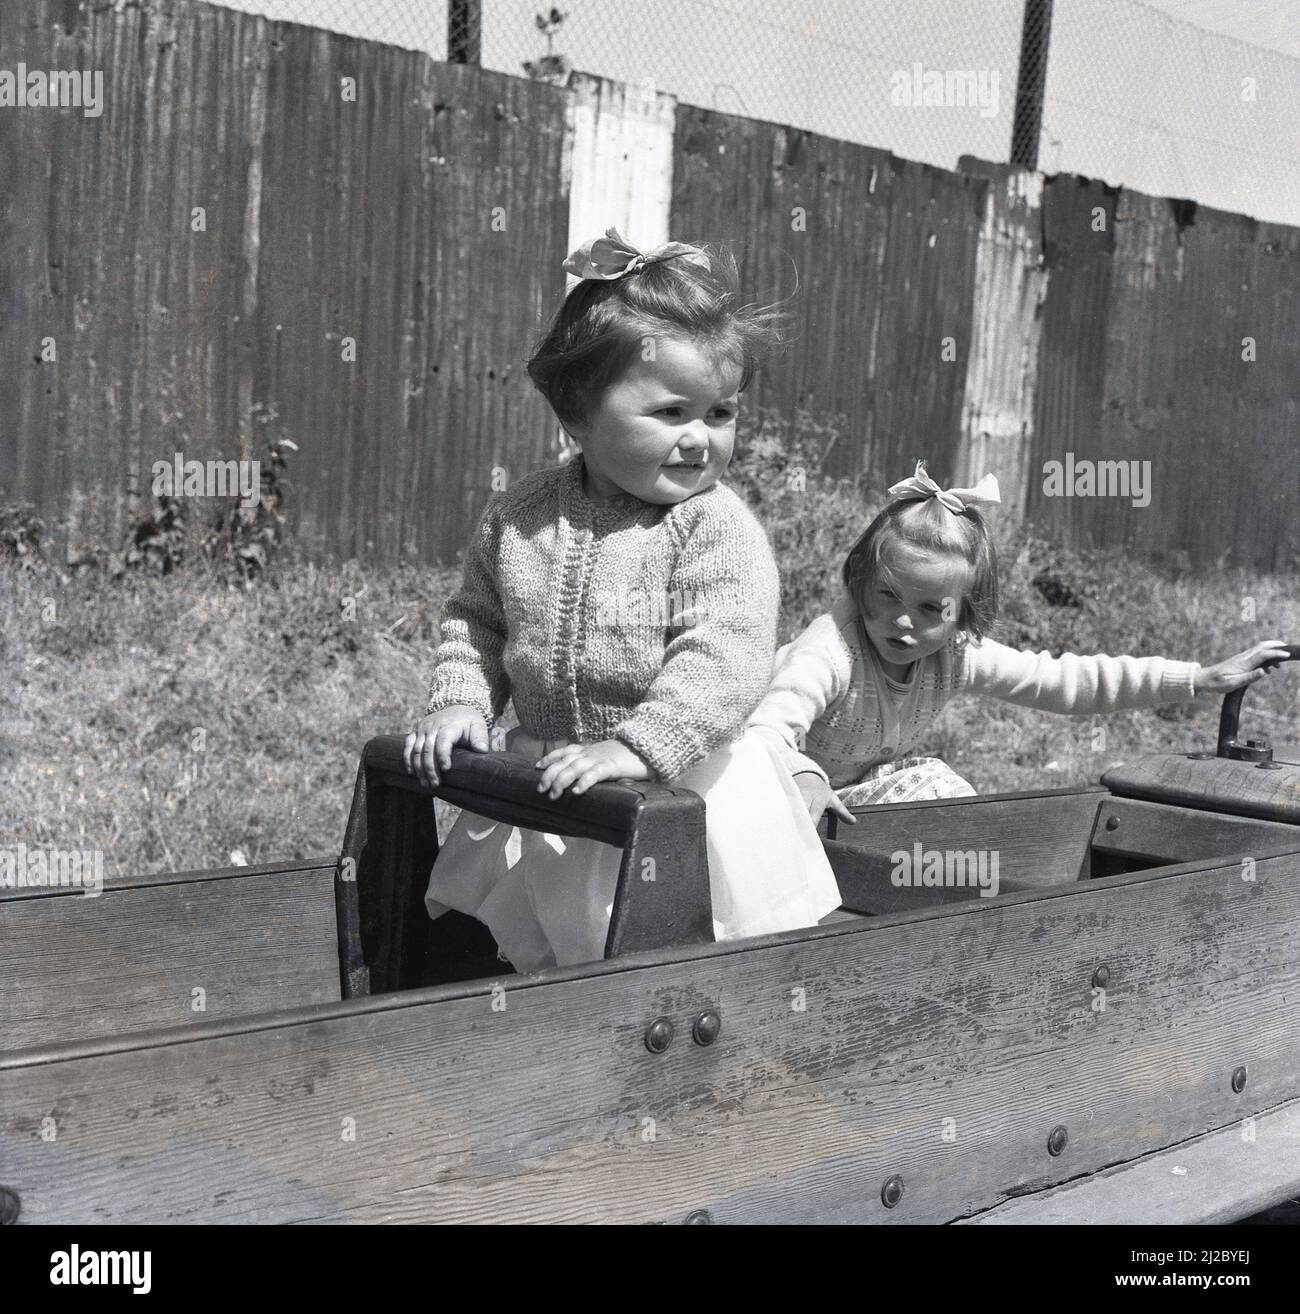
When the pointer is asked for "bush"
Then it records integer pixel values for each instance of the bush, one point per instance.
(21, 530)
(246, 539)
(237, 543)
(155, 542)
(811, 518)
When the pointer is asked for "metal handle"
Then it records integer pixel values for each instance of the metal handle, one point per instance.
(1253, 750)
(662, 896)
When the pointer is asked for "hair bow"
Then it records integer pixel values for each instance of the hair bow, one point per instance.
(920, 485)
(613, 256)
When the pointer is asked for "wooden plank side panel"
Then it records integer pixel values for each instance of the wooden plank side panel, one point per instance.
(1175, 834)
(1042, 839)
(1220, 1178)
(842, 1053)
(132, 958)
(1216, 785)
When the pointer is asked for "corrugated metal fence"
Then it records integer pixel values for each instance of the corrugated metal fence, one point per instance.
(985, 319)
(409, 220)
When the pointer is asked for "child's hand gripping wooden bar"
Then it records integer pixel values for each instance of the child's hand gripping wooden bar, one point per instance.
(391, 844)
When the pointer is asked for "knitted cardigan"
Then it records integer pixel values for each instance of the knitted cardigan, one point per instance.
(833, 711)
(613, 619)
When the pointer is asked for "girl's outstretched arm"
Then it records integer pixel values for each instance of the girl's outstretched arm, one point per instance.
(1076, 685)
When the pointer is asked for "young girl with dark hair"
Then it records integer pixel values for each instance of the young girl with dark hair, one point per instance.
(627, 602)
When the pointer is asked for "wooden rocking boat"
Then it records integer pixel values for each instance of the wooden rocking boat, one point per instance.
(1113, 1036)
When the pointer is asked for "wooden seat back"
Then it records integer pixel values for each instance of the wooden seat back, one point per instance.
(386, 937)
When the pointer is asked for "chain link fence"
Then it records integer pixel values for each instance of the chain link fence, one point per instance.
(859, 71)
(1137, 97)
(414, 24)
(1130, 94)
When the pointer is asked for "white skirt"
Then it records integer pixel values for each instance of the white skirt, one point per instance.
(548, 899)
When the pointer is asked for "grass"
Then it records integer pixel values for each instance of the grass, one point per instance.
(178, 722)
(175, 721)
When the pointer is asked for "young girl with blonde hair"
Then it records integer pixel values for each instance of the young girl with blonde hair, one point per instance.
(857, 691)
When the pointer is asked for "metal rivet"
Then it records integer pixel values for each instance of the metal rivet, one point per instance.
(892, 1191)
(659, 1035)
(1112, 823)
(10, 1206)
(699, 1218)
(1056, 1140)
(1101, 977)
(706, 1028)
(1268, 766)
(1239, 1080)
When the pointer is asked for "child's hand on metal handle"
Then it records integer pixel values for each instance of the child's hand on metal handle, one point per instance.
(819, 797)
(1243, 669)
(429, 745)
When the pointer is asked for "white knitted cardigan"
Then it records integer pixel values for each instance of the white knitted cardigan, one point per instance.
(832, 710)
